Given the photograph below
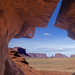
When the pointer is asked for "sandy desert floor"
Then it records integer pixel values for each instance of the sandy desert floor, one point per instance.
(53, 66)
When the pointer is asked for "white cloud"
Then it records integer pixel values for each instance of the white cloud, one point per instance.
(46, 34)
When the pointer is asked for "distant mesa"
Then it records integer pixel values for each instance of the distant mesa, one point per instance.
(38, 55)
(22, 53)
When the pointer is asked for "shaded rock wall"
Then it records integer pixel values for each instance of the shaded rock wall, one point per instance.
(66, 17)
(18, 18)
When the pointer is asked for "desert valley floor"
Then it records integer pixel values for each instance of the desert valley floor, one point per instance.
(44, 66)
(53, 66)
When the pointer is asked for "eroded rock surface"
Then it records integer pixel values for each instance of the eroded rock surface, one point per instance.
(18, 18)
(66, 17)
(21, 63)
(12, 69)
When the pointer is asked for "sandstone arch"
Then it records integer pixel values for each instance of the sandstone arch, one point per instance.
(19, 18)
(66, 17)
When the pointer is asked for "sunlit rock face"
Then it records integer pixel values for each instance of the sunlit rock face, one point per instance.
(18, 18)
(66, 17)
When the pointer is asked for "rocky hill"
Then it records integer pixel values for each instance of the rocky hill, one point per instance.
(22, 65)
(66, 17)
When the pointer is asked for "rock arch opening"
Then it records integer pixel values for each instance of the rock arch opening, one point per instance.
(14, 15)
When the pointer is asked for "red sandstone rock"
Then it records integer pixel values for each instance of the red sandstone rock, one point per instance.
(66, 17)
(19, 18)
(14, 69)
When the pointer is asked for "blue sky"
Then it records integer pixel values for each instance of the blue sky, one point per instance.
(49, 40)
